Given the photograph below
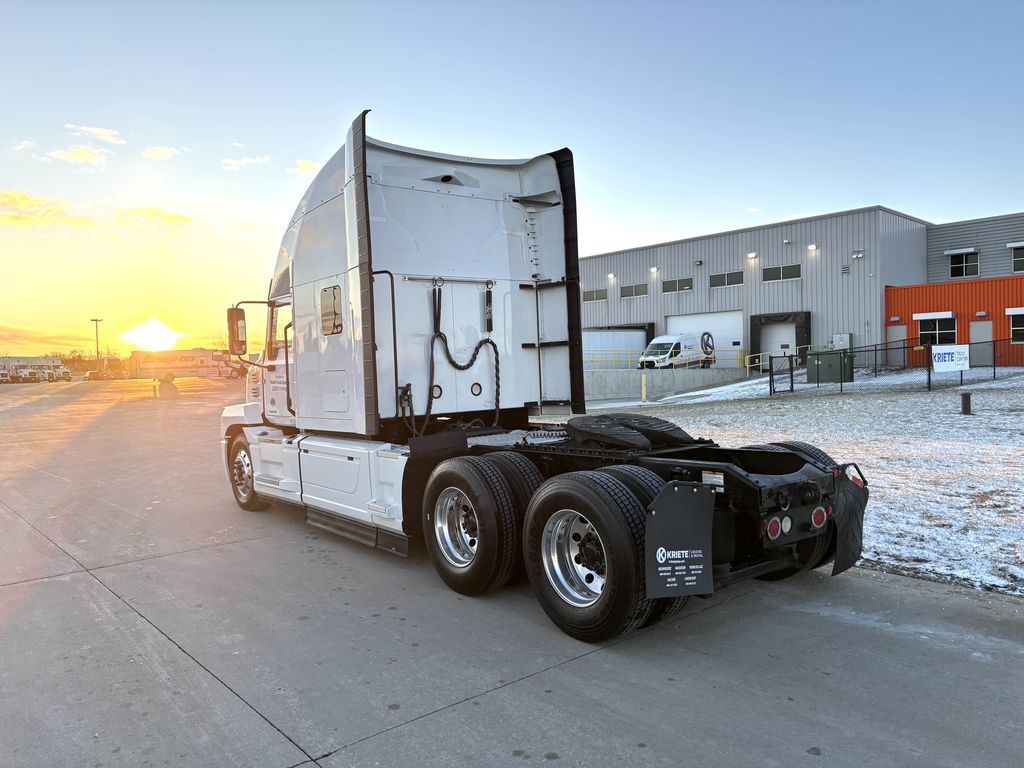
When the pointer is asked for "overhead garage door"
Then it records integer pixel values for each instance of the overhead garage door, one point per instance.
(725, 327)
(778, 338)
(612, 348)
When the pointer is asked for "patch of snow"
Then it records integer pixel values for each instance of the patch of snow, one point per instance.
(947, 491)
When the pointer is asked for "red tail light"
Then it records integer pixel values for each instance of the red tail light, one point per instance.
(774, 529)
(818, 517)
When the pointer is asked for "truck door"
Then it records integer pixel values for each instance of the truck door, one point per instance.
(279, 380)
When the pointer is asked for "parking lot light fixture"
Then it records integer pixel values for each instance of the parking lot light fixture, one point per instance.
(97, 321)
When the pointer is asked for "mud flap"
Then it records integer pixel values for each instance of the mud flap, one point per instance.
(677, 552)
(850, 502)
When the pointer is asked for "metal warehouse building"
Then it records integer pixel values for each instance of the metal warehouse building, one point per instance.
(820, 281)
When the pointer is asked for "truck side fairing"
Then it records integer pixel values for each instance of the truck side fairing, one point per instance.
(381, 227)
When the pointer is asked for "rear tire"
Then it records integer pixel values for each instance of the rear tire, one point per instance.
(810, 553)
(812, 452)
(584, 546)
(469, 525)
(243, 477)
(645, 485)
(523, 480)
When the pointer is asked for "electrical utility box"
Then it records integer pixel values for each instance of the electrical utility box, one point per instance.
(829, 367)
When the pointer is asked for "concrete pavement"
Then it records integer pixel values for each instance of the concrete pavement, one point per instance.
(146, 620)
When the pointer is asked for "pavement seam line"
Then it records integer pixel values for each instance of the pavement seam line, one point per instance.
(202, 666)
(169, 639)
(43, 578)
(200, 548)
(611, 644)
(605, 647)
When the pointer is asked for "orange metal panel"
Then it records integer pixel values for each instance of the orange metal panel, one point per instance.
(965, 298)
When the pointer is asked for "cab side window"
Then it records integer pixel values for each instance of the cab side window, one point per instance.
(675, 350)
(280, 317)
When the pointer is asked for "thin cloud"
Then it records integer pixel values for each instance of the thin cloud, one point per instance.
(24, 210)
(237, 145)
(233, 164)
(108, 135)
(17, 336)
(161, 153)
(304, 166)
(21, 146)
(78, 154)
(128, 216)
(753, 210)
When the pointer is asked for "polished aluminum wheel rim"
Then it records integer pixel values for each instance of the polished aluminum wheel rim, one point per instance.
(574, 558)
(456, 527)
(241, 469)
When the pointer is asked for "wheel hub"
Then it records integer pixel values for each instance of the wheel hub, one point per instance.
(241, 471)
(456, 527)
(574, 558)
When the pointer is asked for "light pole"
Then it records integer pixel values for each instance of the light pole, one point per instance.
(97, 321)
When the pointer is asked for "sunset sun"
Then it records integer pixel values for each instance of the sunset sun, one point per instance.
(152, 336)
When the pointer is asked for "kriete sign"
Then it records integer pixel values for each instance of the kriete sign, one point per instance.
(951, 357)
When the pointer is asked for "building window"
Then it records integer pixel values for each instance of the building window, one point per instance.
(601, 294)
(1018, 259)
(933, 332)
(674, 286)
(330, 310)
(1017, 329)
(963, 265)
(724, 279)
(629, 291)
(787, 272)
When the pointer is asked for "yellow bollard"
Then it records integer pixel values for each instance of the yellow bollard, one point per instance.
(643, 387)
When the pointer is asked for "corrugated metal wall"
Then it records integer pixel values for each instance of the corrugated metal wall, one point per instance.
(965, 299)
(902, 240)
(989, 236)
(840, 300)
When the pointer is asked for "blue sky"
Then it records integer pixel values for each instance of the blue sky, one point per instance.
(685, 118)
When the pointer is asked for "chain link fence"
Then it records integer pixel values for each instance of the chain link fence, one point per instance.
(893, 366)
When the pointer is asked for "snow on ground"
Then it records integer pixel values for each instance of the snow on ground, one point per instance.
(947, 491)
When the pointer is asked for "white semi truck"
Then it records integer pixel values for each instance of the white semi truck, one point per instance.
(422, 309)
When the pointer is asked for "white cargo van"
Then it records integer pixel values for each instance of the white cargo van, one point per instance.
(684, 350)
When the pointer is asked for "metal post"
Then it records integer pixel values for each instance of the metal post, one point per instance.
(965, 403)
(97, 321)
(791, 388)
(876, 360)
(771, 376)
(929, 369)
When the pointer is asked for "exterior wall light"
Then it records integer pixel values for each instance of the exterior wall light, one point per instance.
(752, 255)
(697, 263)
(812, 247)
(981, 313)
(654, 270)
(611, 275)
(894, 319)
(858, 253)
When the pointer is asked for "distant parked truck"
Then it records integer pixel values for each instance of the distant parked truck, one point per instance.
(25, 375)
(177, 363)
